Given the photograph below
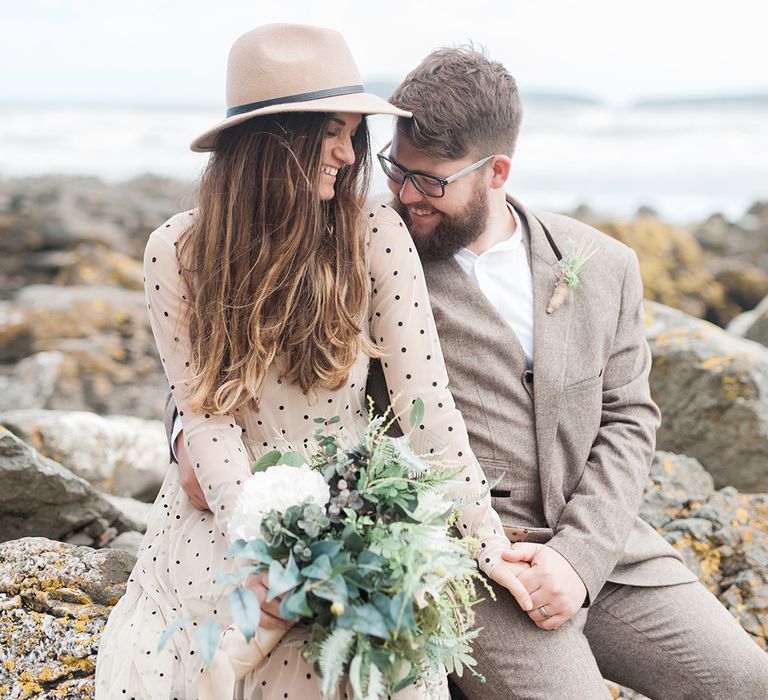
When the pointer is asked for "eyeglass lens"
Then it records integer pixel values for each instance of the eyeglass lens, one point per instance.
(423, 183)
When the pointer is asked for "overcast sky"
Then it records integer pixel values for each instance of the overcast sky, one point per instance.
(174, 51)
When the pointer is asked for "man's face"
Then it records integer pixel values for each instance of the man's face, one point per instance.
(439, 225)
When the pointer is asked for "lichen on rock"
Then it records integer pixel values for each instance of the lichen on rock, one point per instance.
(55, 599)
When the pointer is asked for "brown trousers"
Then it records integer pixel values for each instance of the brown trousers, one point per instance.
(667, 642)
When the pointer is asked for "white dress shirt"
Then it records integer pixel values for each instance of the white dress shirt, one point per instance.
(504, 276)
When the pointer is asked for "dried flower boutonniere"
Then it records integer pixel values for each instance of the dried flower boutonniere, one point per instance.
(576, 256)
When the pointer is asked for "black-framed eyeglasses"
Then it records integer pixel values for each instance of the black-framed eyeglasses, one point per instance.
(429, 185)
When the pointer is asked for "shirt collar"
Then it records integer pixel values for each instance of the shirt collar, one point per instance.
(509, 244)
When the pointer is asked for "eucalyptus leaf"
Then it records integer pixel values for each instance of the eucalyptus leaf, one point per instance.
(207, 636)
(331, 548)
(267, 460)
(292, 459)
(417, 413)
(360, 580)
(365, 619)
(168, 631)
(257, 550)
(352, 540)
(334, 590)
(282, 579)
(335, 419)
(368, 559)
(295, 606)
(401, 611)
(319, 569)
(246, 611)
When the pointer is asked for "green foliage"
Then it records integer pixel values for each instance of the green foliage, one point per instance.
(246, 611)
(207, 637)
(266, 460)
(292, 459)
(417, 413)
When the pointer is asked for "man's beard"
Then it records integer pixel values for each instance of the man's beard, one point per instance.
(453, 232)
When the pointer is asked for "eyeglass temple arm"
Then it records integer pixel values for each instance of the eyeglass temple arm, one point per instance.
(468, 169)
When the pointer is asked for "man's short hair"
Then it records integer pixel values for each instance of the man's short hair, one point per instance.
(463, 104)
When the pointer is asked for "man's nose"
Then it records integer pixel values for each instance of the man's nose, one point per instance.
(408, 193)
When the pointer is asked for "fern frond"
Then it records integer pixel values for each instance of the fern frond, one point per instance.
(335, 652)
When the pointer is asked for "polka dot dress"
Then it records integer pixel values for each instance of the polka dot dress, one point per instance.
(184, 548)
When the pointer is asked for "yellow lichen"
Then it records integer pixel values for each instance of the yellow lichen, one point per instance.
(45, 676)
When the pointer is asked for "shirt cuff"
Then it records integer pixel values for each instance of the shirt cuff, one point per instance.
(177, 428)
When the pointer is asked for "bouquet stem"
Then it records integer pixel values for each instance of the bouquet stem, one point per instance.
(234, 659)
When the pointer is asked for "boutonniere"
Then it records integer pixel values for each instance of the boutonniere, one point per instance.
(568, 269)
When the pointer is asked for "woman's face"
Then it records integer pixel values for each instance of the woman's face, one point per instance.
(337, 150)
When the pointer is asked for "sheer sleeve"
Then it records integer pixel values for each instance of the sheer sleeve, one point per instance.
(402, 326)
(213, 442)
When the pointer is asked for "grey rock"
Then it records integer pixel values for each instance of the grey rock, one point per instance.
(712, 388)
(134, 512)
(721, 535)
(55, 600)
(39, 497)
(127, 541)
(753, 324)
(121, 455)
(106, 360)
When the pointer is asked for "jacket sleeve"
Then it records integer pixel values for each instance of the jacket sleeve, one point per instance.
(596, 522)
(213, 442)
(402, 326)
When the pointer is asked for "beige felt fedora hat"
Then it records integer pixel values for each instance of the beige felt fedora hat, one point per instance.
(292, 68)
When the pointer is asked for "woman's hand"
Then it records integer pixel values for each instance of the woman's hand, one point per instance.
(187, 477)
(270, 612)
(506, 574)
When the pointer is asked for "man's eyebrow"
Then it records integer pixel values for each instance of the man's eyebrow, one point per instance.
(416, 172)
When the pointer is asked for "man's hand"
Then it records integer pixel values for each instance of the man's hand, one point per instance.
(551, 582)
(270, 612)
(507, 574)
(187, 477)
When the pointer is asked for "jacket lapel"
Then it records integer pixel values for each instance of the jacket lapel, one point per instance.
(550, 338)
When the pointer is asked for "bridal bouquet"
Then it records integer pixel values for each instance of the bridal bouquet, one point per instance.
(359, 545)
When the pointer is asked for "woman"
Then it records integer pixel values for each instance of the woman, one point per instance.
(267, 304)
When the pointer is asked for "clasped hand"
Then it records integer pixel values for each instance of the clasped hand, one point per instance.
(549, 580)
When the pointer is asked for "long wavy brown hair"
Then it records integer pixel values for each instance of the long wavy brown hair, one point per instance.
(275, 274)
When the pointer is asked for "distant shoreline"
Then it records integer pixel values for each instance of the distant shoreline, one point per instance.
(532, 97)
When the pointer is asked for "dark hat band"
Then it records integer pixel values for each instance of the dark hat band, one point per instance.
(302, 97)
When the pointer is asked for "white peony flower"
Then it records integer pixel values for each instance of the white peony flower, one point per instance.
(277, 488)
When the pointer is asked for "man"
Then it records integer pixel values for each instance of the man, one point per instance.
(555, 396)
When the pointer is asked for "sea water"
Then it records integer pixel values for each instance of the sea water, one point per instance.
(686, 161)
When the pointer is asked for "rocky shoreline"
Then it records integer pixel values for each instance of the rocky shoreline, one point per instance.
(83, 453)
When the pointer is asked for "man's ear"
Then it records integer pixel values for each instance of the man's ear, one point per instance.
(500, 167)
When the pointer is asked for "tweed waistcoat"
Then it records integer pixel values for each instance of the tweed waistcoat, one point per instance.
(497, 403)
